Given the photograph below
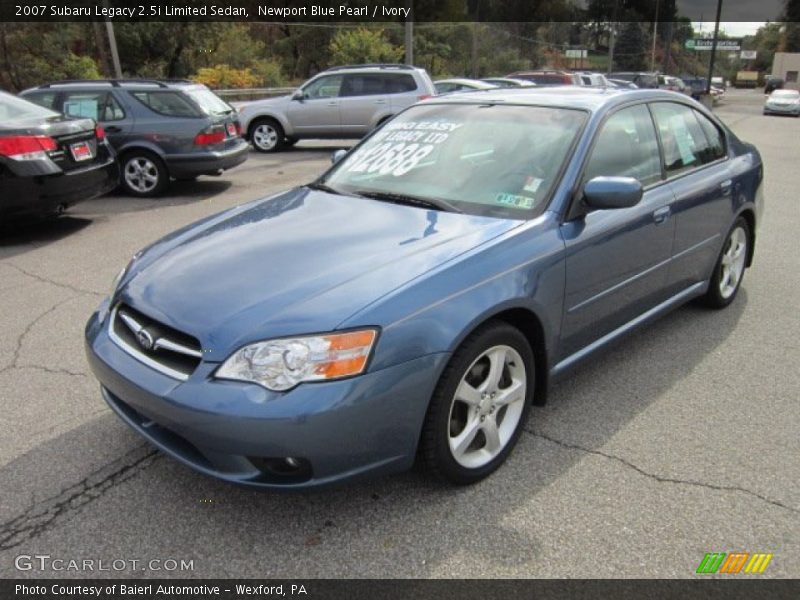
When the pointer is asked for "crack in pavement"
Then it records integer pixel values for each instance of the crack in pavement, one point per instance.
(40, 517)
(66, 286)
(660, 478)
(21, 338)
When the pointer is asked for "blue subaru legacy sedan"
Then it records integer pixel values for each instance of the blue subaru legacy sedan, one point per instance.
(413, 302)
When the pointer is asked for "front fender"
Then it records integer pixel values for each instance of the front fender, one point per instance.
(267, 114)
(522, 269)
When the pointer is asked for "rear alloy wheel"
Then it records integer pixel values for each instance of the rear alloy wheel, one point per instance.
(480, 405)
(267, 135)
(143, 174)
(728, 273)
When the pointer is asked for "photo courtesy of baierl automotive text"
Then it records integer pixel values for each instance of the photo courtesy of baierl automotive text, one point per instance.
(432, 299)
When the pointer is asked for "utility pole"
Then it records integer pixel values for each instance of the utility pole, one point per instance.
(409, 37)
(112, 41)
(612, 38)
(655, 37)
(714, 47)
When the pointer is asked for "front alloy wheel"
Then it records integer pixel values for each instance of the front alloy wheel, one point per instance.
(480, 404)
(487, 406)
(267, 136)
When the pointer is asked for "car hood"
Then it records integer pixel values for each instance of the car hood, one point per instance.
(297, 263)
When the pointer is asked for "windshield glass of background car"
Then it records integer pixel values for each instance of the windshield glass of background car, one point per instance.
(493, 160)
(786, 94)
(209, 101)
(12, 107)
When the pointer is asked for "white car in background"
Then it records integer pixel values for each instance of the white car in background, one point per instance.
(783, 102)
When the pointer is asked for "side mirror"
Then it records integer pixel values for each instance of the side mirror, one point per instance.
(338, 155)
(612, 192)
(298, 95)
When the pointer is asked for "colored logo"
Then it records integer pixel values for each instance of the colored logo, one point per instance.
(720, 562)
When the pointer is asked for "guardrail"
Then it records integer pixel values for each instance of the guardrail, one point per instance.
(253, 93)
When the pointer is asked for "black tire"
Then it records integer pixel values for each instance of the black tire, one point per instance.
(435, 454)
(150, 166)
(267, 135)
(715, 297)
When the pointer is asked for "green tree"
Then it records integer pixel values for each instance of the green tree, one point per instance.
(791, 17)
(34, 53)
(631, 48)
(362, 45)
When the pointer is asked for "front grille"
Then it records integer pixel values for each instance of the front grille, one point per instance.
(163, 348)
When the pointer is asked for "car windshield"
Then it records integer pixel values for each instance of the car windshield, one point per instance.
(209, 101)
(488, 159)
(12, 107)
(786, 94)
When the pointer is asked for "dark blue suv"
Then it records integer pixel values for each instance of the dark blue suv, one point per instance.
(160, 129)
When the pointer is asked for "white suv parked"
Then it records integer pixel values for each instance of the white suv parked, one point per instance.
(340, 103)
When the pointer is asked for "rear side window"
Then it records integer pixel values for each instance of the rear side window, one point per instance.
(170, 104)
(626, 147)
(100, 106)
(370, 84)
(685, 143)
(46, 99)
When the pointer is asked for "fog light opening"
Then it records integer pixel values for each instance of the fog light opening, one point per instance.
(288, 469)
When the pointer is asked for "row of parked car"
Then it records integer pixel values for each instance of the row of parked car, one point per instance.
(72, 140)
(75, 140)
(349, 101)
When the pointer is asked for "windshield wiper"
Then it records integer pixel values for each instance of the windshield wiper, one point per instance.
(324, 187)
(435, 203)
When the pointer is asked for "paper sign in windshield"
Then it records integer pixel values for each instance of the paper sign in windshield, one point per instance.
(403, 145)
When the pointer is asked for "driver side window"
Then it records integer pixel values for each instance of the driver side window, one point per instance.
(626, 147)
(324, 87)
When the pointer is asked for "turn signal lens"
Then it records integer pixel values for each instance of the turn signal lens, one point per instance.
(280, 365)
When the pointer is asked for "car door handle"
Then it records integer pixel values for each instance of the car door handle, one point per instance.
(112, 129)
(380, 101)
(333, 104)
(661, 215)
(725, 186)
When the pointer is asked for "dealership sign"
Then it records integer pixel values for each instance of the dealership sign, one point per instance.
(748, 55)
(707, 43)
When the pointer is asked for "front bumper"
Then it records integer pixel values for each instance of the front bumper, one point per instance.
(43, 194)
(347, 429)
(207, 163)
(782, 110)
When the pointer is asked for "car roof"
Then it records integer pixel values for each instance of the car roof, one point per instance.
(371, 68)
(593, 99)
(148, 84)
(464, 81)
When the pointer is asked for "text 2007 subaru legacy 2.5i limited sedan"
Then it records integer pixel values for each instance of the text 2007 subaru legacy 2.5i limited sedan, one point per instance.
(416, 300)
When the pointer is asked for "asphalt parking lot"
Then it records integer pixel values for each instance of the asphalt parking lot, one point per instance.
(680, 441)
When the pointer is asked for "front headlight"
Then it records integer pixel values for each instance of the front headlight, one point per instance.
(279, 365)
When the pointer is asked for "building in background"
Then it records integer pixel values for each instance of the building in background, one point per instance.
(786, 65)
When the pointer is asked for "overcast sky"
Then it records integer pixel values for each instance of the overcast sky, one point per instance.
(733, 29)
(732, 10)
